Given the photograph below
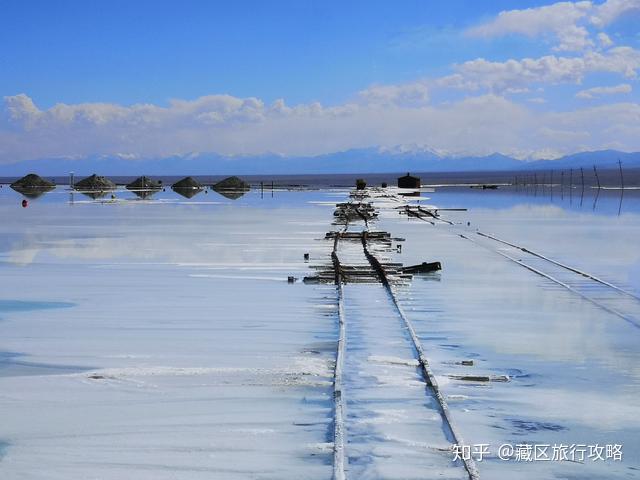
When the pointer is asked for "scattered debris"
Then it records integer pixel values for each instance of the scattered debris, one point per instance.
(358, 273)
(424, 267)
(481, 378)
(352, 211)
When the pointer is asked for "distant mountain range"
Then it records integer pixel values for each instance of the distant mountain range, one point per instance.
(367, 160)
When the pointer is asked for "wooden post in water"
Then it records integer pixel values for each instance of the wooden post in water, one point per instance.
(582, 191)
(562, 184)
(570, 185)
(621, 176)
(597, 179)
(570, 179)
(621, 187)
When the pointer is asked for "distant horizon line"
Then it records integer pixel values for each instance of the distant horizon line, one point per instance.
(4, 179)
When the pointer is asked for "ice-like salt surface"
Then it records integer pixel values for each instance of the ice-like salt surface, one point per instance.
(187, 353)
(160, 339)
(573, 367)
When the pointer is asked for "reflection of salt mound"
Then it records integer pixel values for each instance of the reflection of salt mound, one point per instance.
(187, 192)
(32, 185)
(232, 187)
(144, 187)
(143, 194)
(187, 187)
(95, 194)
(95, 183)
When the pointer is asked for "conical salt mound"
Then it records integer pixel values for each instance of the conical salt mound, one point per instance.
(32, 186)
(232, 183)
(232, 187)
(145, 183)
(187, 182)
(188, 187)
(95, 183)
(32, 181)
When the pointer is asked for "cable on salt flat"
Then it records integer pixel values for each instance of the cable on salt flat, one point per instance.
(610, 310)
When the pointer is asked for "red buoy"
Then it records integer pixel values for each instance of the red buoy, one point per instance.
(25, 204)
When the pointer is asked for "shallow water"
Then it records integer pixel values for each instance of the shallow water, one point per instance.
(192, 356)
(573, 366)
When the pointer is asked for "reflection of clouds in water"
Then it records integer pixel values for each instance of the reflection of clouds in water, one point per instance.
(601, 244)
(598, 410)
(175, 235)
(3, 448)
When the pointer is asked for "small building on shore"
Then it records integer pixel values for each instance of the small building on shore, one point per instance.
(408, 181)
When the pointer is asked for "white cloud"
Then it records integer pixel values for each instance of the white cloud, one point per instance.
(566, 22)
(500, 76)
(233, 126)
(611, 10)
(410, 94)
(559, 19)
(381, 115)
(604, 40)
(596, 92)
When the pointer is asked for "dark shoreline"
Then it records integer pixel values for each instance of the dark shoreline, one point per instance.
(608, 178)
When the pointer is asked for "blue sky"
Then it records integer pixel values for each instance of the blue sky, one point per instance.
(150, 51)
(146, 79)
